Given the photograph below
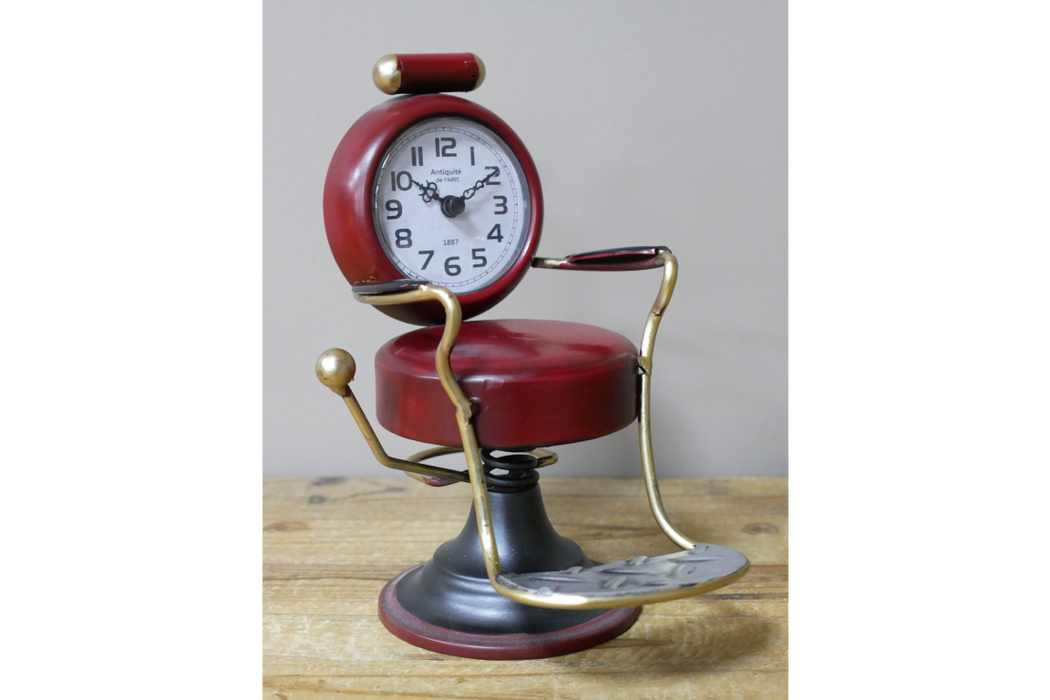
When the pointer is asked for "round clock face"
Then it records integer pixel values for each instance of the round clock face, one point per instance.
(451, 204)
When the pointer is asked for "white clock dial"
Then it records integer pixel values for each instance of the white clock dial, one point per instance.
(451, 204)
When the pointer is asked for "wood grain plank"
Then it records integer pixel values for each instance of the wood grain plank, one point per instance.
(329, 546)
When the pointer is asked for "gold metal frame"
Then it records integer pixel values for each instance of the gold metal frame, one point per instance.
(475, 473)
(669, 263)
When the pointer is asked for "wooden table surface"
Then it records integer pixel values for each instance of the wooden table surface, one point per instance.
(329, 546)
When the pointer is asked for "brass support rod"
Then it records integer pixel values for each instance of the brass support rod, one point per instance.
(664, 258)
(471, 450)
(645, 431)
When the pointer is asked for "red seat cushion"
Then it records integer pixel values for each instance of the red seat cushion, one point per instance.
(533, 383)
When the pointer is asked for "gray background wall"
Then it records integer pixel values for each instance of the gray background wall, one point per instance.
(650, 123)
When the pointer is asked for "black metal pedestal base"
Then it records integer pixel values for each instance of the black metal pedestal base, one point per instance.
(609, 624)
(448, 604)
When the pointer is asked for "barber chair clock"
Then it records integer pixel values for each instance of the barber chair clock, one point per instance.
(433, 210)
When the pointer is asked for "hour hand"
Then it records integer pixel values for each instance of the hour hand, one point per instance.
(429, 191)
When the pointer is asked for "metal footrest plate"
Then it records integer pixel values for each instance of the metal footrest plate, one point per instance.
(635, 581)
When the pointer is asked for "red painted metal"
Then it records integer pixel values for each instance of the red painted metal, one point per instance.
(616, 259)
(533, 383)
(437, 72)
(348, 189)
(406, 626)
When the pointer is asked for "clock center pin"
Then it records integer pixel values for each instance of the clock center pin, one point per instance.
(452, 206)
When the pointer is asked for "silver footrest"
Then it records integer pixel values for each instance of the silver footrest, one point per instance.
(636, 581)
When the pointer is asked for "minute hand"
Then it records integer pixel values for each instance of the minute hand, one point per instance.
(467, 194)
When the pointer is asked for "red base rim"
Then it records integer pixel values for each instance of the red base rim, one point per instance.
(409, 628)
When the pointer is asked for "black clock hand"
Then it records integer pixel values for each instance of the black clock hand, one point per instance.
(428, 192)
(480, 183)
(451, 206)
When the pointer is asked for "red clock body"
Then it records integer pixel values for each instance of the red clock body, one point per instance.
(349, 207)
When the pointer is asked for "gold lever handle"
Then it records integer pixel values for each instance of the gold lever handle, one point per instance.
(336, 369)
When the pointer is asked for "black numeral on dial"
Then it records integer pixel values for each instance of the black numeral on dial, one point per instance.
(429, 254)
(443, 147)
(495, 234)
(401, 180)
(479, 260)
(393, 205)
(403, 238)
(501, 204)
(451, 268)
(495, 171)
(417, 155)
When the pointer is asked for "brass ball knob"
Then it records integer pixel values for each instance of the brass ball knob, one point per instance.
(336, 369)
(387, 74)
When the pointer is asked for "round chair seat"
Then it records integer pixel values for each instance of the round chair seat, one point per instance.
(532, 383)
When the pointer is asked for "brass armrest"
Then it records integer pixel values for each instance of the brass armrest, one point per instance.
(641, 258)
